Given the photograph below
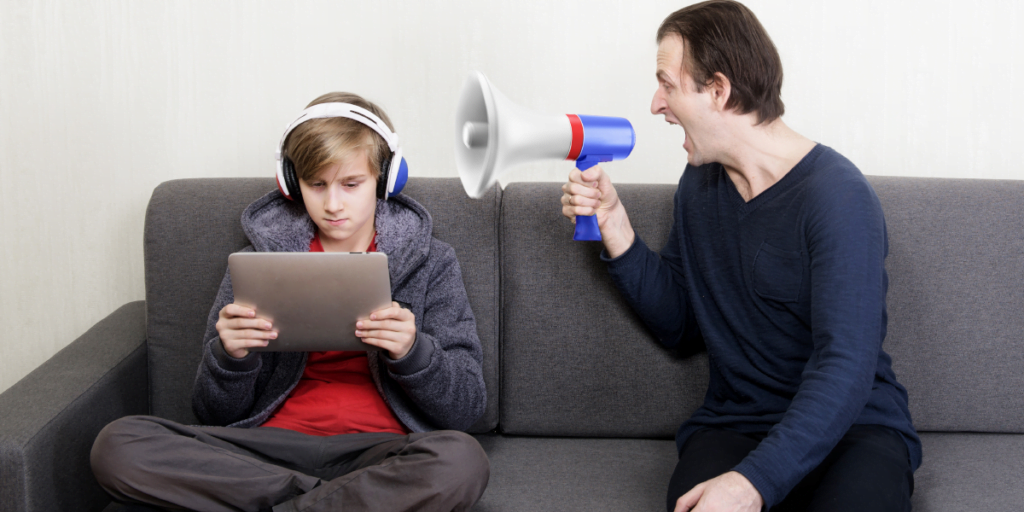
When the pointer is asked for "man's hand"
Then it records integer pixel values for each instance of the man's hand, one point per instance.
(591, 192)
(729, 492)
(392, 329)
(240, 330)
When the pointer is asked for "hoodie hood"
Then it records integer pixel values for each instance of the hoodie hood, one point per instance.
(274, 223)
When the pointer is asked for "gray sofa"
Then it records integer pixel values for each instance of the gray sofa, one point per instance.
(582, 403)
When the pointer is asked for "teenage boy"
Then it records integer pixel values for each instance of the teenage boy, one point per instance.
(350, 430)
(775, 263)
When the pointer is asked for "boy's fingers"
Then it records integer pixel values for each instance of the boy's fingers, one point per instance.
(380, 343)
(395, 312)
(239, 324)
(251, 343)
(234, 310)
(257, 334)
(383, 328)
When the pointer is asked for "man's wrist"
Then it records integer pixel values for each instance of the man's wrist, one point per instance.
(617, 233)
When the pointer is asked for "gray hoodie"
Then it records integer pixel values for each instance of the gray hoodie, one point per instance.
(437, 385)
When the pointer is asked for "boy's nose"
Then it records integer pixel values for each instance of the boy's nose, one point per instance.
(333, 202)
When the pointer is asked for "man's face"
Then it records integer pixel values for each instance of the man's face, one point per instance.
(341, 200)
(680, 103)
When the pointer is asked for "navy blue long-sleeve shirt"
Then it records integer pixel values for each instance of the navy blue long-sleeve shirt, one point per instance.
(787, 292)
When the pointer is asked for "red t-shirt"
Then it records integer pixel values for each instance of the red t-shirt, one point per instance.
(336, 394)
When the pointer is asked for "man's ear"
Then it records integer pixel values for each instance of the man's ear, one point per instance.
(720, 89)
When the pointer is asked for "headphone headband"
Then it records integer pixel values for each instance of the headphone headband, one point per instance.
(355, 113)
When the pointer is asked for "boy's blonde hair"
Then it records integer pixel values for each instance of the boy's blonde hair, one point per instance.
(319, 142)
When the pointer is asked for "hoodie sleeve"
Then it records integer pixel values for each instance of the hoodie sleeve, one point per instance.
(443, 372)
(224, 388)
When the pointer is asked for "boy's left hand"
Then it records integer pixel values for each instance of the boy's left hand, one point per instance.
(392, 329)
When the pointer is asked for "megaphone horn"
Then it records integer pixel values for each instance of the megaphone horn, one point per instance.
(493, 134)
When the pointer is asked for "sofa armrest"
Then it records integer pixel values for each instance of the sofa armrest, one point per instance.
(48, 419)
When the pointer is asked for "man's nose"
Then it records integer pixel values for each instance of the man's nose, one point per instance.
(658, 102)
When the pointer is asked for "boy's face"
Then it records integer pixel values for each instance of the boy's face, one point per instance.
(341, 200)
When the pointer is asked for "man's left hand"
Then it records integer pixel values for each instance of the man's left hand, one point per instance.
(392, 329)
(729, 492)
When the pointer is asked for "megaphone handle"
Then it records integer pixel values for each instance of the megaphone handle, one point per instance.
(586, 225)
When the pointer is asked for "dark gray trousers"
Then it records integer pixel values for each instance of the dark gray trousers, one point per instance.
(144, 459)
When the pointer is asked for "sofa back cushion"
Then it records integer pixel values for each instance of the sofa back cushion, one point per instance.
(577, 362)
(956, 300)
(193, 225)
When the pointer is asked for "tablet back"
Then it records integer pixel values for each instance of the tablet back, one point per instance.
(312, 299)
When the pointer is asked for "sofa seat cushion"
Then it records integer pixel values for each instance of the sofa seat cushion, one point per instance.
(963, 471)
(960, 472)
(554, 473)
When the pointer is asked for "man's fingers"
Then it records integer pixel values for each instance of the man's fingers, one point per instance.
(578, 192)
(573, 211)
(592, 176)
(689, 500)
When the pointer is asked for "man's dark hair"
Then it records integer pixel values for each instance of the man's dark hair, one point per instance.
(724, 36)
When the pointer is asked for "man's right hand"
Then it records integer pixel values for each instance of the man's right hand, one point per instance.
(591, 192)
(240, 330)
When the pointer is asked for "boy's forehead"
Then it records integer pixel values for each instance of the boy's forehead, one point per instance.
(354, 165)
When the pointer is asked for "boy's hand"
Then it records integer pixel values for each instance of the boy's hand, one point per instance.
(392, 329)
(240, 330)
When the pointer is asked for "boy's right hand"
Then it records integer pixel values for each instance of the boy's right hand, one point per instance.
(240, 330)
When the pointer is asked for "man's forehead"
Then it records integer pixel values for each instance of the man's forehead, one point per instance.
(670, 55)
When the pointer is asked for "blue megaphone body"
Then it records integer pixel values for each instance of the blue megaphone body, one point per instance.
(597, 139)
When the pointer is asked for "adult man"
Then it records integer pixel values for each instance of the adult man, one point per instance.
(776, 262)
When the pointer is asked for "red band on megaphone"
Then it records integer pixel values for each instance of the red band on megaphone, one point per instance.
(577, 137)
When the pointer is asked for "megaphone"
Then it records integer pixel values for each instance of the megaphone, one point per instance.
(492, 134)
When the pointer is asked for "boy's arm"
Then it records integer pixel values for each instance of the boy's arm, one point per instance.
(224, 390)
(443, 372)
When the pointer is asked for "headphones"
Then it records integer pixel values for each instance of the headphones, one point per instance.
(394, 170)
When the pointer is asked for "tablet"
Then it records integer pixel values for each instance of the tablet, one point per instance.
(313, 299)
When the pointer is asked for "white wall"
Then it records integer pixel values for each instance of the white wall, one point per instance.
(100, 101)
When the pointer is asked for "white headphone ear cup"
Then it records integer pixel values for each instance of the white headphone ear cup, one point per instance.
(394, 170)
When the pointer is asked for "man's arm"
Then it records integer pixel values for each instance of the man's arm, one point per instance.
(652, 284)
